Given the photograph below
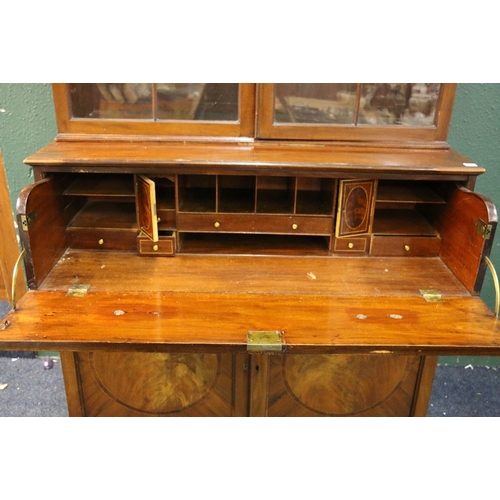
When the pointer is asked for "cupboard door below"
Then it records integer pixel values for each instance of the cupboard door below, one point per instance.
(155, 384)
(334, 385)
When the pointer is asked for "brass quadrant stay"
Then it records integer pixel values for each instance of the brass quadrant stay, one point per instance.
(15, 272)
(495, 283)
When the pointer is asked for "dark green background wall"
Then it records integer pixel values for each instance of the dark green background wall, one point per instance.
(27, 122)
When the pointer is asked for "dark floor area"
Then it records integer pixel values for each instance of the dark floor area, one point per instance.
(28, 389)
(31, 390)
(470, 391)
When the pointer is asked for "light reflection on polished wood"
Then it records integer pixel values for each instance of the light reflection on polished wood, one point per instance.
(155, 382)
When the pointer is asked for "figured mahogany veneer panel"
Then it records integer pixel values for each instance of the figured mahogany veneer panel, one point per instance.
(306, 385)
(355, 207)
(158, 384)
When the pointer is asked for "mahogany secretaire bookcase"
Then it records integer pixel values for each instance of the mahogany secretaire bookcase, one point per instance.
(253, 249)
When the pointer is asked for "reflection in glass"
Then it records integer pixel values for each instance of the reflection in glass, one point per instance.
(198, 101)
(315, 103)
(161, 101)
(379, 104)
(111, 100)
(178, 101)
(407, 104)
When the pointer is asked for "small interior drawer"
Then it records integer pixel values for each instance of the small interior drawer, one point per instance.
(255, 223)
(400, 246)
(102, 239)
(165, 246)
(358, 244)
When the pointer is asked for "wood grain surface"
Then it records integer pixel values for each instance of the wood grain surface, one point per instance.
(212, 322)
(335, 275)
(341, 385)
(254, 158)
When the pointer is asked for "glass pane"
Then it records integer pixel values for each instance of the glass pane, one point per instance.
(198, 101)
(315, 103)
(406, 104)
(161, 101)
(111, 100)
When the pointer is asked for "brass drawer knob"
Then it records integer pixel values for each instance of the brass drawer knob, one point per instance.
(155, 248)
(407, 248)
(217, 224)
(101, 242)
(351, 245)
(295, 226)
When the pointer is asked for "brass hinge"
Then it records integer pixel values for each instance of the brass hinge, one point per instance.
(28, 220)
(483, 229)
(432, 295)
(262, 341)
(78, 290)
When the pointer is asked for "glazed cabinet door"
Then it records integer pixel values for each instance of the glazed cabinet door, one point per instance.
(156, 109)
(385, 112)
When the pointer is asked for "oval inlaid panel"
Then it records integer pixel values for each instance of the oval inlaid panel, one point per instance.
(155, 382)
(356, 207)
(342, 384)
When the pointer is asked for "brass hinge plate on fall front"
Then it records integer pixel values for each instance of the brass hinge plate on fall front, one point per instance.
(483, 229)
(78, 290)
(28, 220)
(432, 295)
(264, 341)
